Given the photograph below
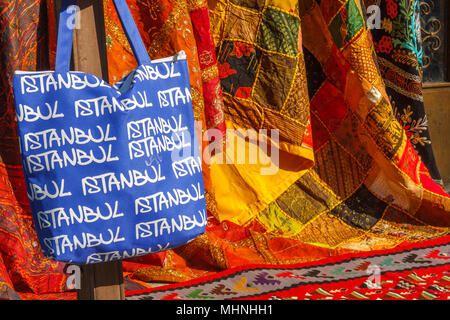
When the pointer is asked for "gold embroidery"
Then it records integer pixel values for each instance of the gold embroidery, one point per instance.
(359, 55)
(218, 106)
(196, 4)
(210, 73)
(296, 105)
(116, 30)
(211, 204)
(197, 103)
(150, 274)
(385, 129)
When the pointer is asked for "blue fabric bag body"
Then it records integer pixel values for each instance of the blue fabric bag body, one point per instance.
(112, 172)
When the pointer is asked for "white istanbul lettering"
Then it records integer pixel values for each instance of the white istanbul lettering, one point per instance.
(42, 192)
(51, 160)
(116, 255)
(153, 126)
(46, 82)
(155, 72)
(154, 145)
(187, 166)
(109, 181)
(172, 97)
(61, 244)
(51, 138)
(164, 200)
(58, 217)
(102, 105)
(165, 226)
(29, 114)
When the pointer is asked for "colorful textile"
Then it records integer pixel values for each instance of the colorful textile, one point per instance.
(24, 271)
(166, 27)
(415, 272)
(263, 77)
(349, 178)
(365, 188)
(400, 57)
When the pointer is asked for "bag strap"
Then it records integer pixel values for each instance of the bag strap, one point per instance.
(65, 34)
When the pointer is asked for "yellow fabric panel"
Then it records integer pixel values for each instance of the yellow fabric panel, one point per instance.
(284, 5)
(241, 191)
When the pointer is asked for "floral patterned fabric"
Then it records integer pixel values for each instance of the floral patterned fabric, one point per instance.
(350, 179)
(400, 58)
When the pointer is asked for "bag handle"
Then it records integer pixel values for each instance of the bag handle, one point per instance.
(65, 34)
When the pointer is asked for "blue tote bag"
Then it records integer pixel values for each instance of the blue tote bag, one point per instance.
(112, 172)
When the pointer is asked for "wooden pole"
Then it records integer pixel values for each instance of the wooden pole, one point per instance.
(102, 281)
(447, 34)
